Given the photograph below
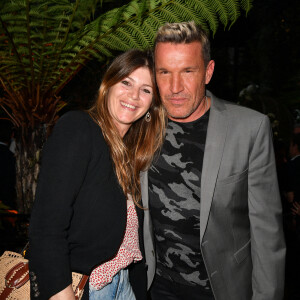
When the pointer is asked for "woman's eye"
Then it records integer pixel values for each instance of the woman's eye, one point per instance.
(147, 91)
(125, 82)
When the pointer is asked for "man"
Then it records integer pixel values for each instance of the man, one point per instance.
(212, 193)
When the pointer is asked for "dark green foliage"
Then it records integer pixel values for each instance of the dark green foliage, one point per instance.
(44, 43)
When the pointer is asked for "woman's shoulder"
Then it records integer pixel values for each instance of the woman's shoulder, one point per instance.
(77, 120)
(76, 128)
(75, 116)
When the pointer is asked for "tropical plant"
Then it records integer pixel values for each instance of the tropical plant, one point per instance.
(44, 44)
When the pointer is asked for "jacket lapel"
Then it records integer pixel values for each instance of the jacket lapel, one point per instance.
(215, 141)
(147, 230)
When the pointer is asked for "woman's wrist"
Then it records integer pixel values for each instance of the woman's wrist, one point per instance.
(65, 294)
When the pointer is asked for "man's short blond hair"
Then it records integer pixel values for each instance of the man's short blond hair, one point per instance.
(184, 33)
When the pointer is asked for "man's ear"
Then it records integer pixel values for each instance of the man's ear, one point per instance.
(209, 71)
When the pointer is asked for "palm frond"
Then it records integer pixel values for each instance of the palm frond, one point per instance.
(44, 43)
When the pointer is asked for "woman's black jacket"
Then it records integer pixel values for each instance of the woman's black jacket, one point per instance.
(79, 215)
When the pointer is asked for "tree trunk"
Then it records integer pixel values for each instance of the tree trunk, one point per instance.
(29, 143)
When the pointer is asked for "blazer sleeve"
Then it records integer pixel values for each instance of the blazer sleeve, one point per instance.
(137, 271)
(267, 239)
(64, 165)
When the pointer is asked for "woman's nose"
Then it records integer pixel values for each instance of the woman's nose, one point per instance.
(134, 93)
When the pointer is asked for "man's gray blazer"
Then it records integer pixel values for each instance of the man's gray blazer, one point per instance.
(241, 235)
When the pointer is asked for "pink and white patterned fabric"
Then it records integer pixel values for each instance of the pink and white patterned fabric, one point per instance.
(129, 252)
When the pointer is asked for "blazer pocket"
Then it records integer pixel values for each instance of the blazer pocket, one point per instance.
(233, 178)
(243, 252)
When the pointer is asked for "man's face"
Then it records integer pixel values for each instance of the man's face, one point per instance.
(181, 78)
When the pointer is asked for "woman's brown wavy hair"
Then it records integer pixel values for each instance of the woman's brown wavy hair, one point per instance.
(134, 152)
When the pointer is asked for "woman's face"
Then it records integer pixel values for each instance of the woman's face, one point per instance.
(130, 99)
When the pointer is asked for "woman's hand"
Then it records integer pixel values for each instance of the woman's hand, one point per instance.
(296, 208)
(66, 294)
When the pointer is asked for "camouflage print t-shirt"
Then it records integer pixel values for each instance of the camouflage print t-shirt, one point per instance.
(174, 191)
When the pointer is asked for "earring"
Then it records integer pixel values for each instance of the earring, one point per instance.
(148, 117)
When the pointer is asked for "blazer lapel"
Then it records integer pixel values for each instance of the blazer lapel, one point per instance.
(148, 234)
(215, 140)
(147, 230)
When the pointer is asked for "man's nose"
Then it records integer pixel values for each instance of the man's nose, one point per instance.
(176, 85)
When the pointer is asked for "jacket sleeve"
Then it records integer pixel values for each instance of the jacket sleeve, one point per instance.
(267, 239)
(137, 271)
(64, 165)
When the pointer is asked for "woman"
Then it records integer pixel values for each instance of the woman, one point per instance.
(90, 163)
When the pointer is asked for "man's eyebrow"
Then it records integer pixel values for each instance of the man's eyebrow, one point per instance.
(191, 68)
(186, 68)
(159, 69)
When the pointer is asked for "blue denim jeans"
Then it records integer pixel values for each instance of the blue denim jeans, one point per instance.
(118, 289)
